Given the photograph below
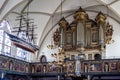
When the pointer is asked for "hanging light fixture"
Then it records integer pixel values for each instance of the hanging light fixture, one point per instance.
(51, 46)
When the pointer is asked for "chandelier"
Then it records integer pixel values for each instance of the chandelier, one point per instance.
(60, 56)
(51, 46)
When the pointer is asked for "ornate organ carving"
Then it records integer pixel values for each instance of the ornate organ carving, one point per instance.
(63, 23)
(84, 33)
(57, 37)
(80, 15)
(108, 33)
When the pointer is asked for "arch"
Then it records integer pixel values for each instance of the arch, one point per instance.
(43, 58)
(97, 56)
(11, 65)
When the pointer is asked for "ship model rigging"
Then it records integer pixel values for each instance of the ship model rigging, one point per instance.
(25, 38)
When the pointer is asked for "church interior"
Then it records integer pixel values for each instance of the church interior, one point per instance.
(59, 40)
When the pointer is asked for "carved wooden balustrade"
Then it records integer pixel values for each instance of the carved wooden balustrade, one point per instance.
(11, 64)
(68, 67)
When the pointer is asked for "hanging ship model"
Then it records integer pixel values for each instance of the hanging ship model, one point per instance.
(25, 35)
(21, 43)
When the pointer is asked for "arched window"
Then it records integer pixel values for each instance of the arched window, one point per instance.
(43, 58)
(1, 40)
(5, 43)
(22, 54)
(97, 57)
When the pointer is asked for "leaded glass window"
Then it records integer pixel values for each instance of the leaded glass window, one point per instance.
(7, 45)
(1, 39)
(22, 54)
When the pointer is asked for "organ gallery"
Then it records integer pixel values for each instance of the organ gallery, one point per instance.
(70, 39)
(83, 36)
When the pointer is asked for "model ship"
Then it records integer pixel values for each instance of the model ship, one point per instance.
(21, 43)
(25, 35)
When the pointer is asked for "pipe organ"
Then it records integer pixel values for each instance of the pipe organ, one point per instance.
(83, 35)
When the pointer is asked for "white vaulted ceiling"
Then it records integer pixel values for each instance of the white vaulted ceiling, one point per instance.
(42, 11)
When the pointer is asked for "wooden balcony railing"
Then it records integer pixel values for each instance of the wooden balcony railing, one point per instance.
(67, 67)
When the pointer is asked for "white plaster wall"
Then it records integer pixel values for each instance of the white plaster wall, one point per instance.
(46, 51)
(113, 50)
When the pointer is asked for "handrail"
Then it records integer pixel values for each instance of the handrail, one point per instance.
(67, 67)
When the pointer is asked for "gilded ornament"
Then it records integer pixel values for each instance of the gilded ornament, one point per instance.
(80, 15)
(63, 23)
(100, 18)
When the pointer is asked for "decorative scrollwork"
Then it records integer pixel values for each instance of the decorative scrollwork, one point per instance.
(100, 18)
(56, 37)
(80, 15)
(108, 33)
(63, 23)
